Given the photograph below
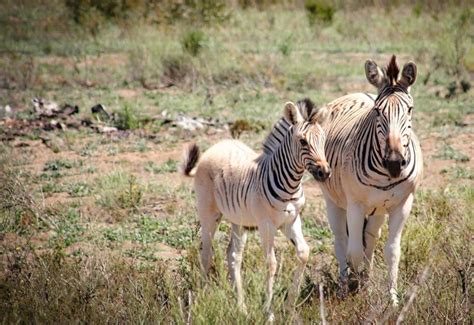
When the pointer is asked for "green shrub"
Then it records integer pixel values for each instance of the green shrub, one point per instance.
(319, 11)
(195, 11)
(93, 14)
(286, 46)
(193, 41)
(127, 119)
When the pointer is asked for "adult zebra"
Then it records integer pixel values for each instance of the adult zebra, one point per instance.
(377, 164)
(263, 191)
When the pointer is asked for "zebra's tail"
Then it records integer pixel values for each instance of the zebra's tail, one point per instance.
(190, 159)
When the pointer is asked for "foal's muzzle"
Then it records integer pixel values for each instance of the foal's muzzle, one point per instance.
(320, 172)
(394, 163)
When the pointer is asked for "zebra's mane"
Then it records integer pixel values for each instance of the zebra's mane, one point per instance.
(392, 71)
(306, 108)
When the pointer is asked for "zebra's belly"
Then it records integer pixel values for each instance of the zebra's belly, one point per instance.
(257, 209)
(237, 214)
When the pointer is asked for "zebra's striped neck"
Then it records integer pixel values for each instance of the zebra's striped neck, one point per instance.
(281, 171)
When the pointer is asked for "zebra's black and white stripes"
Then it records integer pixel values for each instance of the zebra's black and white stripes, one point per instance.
(262, 191)
(377, 164)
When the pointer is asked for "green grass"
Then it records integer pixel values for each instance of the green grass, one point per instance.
(448, 152)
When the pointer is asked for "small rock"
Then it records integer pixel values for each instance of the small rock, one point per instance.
(44, 108)
(187, 123)
(102, 114)
(6, 112)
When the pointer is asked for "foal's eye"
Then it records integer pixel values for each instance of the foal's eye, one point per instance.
(303, 142)
(409, 109)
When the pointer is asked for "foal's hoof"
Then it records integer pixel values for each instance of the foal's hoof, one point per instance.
(394, 298)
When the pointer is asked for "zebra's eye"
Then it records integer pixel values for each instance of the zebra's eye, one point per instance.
(303, 142)
(409, 109)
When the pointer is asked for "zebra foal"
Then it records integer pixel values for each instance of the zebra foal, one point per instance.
(377, 164)
(262, 191)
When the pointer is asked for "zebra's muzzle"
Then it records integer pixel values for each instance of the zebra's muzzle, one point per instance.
(394, 164)
(320, 173)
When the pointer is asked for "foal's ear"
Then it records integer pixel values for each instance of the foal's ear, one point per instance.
(374, 74)
(292, 114)
(408, 75)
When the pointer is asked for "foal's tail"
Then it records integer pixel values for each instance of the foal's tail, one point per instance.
(190, 159)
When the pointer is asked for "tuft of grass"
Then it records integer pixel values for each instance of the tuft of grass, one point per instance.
(79, 189)
(19, 211)
(58, 165)
(127, 118)
(319, 11)
(177, 70)
(447, 152)
(286, 46)
(68, 228)
(458, 172)
(193, 41)
(169, 166)
(52, 187)
(119, 191)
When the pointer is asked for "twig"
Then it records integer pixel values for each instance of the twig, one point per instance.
(321, 305)
(190, 298)
(412, 296)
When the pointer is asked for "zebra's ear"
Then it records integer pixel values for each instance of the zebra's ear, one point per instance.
(320, 115)
(408, 75)
(374, 74)
(292, 114)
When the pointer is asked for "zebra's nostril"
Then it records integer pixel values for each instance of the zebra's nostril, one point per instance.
(384, 163)
(320, 174)
(404, 162)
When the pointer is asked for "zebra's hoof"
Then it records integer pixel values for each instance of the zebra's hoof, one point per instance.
(270, 318)
(343, 288)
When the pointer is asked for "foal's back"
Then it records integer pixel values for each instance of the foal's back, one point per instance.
(225, 169)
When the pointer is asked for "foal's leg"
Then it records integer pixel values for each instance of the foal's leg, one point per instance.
(209, 221)
(267, 233)
(294, 233)
(234, 259)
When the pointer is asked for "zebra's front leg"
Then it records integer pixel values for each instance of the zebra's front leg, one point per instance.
(337, 222)
(293, 232)
(372, 233)
(355, 249)
(397, 217)
(267, 233)
(234, 260)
